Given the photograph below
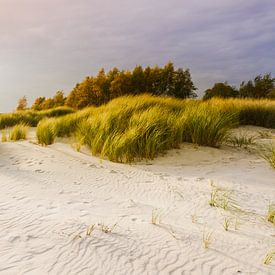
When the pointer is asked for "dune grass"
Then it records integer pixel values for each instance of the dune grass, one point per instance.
(19, 132)
(268, 153)
(132, 128)
(30, 117)
(45, 132)
(271, 213)
(4, 137)
(241, 140)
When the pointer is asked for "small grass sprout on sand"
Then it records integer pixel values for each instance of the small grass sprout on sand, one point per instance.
(226, 223)
(4, 136)
(156, 217)
(207, 239)
(222, 198)
(268, 153)
(269, 257)
(271, 213)
(19, 132)
(194, 218)
(265, 134)
(106, 228)
(90, 230)
(242, 140)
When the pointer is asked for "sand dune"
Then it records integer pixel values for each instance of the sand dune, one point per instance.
(50, 196)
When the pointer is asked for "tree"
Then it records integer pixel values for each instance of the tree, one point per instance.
(183, 84)
(260, 87)
(37, 105)
(59, 99)
(138, 81)
(102, 88)
(47, 104)
(271, 94)
(22, 104)
(83, 95)
(121, 85)
(222, 90)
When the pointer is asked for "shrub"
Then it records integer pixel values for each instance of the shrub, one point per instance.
(19, 132)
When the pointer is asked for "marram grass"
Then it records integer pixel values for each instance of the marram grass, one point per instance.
(31, 117)
(134, 128)
(271, 213)
(19, 132)
(45, 133)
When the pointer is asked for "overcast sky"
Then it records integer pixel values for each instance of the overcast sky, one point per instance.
(50, 45)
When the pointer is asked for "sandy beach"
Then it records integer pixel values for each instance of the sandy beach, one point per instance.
(66, 212)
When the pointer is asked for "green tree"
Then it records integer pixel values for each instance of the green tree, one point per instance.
(222, 90)
(260, 87)
(183, 84)
(138, 81)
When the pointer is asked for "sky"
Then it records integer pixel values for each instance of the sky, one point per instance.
(50, 45)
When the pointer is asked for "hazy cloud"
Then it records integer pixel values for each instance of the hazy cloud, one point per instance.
(51, 45)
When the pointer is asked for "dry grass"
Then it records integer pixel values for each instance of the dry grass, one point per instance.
(207, 239)
(156, 217)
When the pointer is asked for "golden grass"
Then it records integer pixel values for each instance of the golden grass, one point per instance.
(132, 128)
(19, 132)
(271, 213)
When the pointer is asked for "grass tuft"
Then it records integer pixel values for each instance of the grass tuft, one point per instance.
(271, 213)
(19, 132)
(269, 257)
(45, 132)
(242, 140)
(207, 239)
(226, 224)
(156, 217)
(4, 137)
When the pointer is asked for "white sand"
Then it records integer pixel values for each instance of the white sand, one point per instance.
(49, 196)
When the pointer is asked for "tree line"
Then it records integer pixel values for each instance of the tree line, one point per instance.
(259, 87)
(105, 86)
(161, 81)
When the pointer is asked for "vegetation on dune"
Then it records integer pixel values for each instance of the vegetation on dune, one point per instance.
(271, 213)
(19, 132)
(259, 88)
(31, 118)
(132, 128)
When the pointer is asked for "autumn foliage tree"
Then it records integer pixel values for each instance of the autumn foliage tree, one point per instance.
(22, 104)
(42, 103)
(100, 89)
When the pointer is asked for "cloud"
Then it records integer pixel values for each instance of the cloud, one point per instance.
(51, 45)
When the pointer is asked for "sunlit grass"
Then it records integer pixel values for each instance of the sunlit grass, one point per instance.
(271, 213)
(19, 132)
(129, 129)
(30, 117)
